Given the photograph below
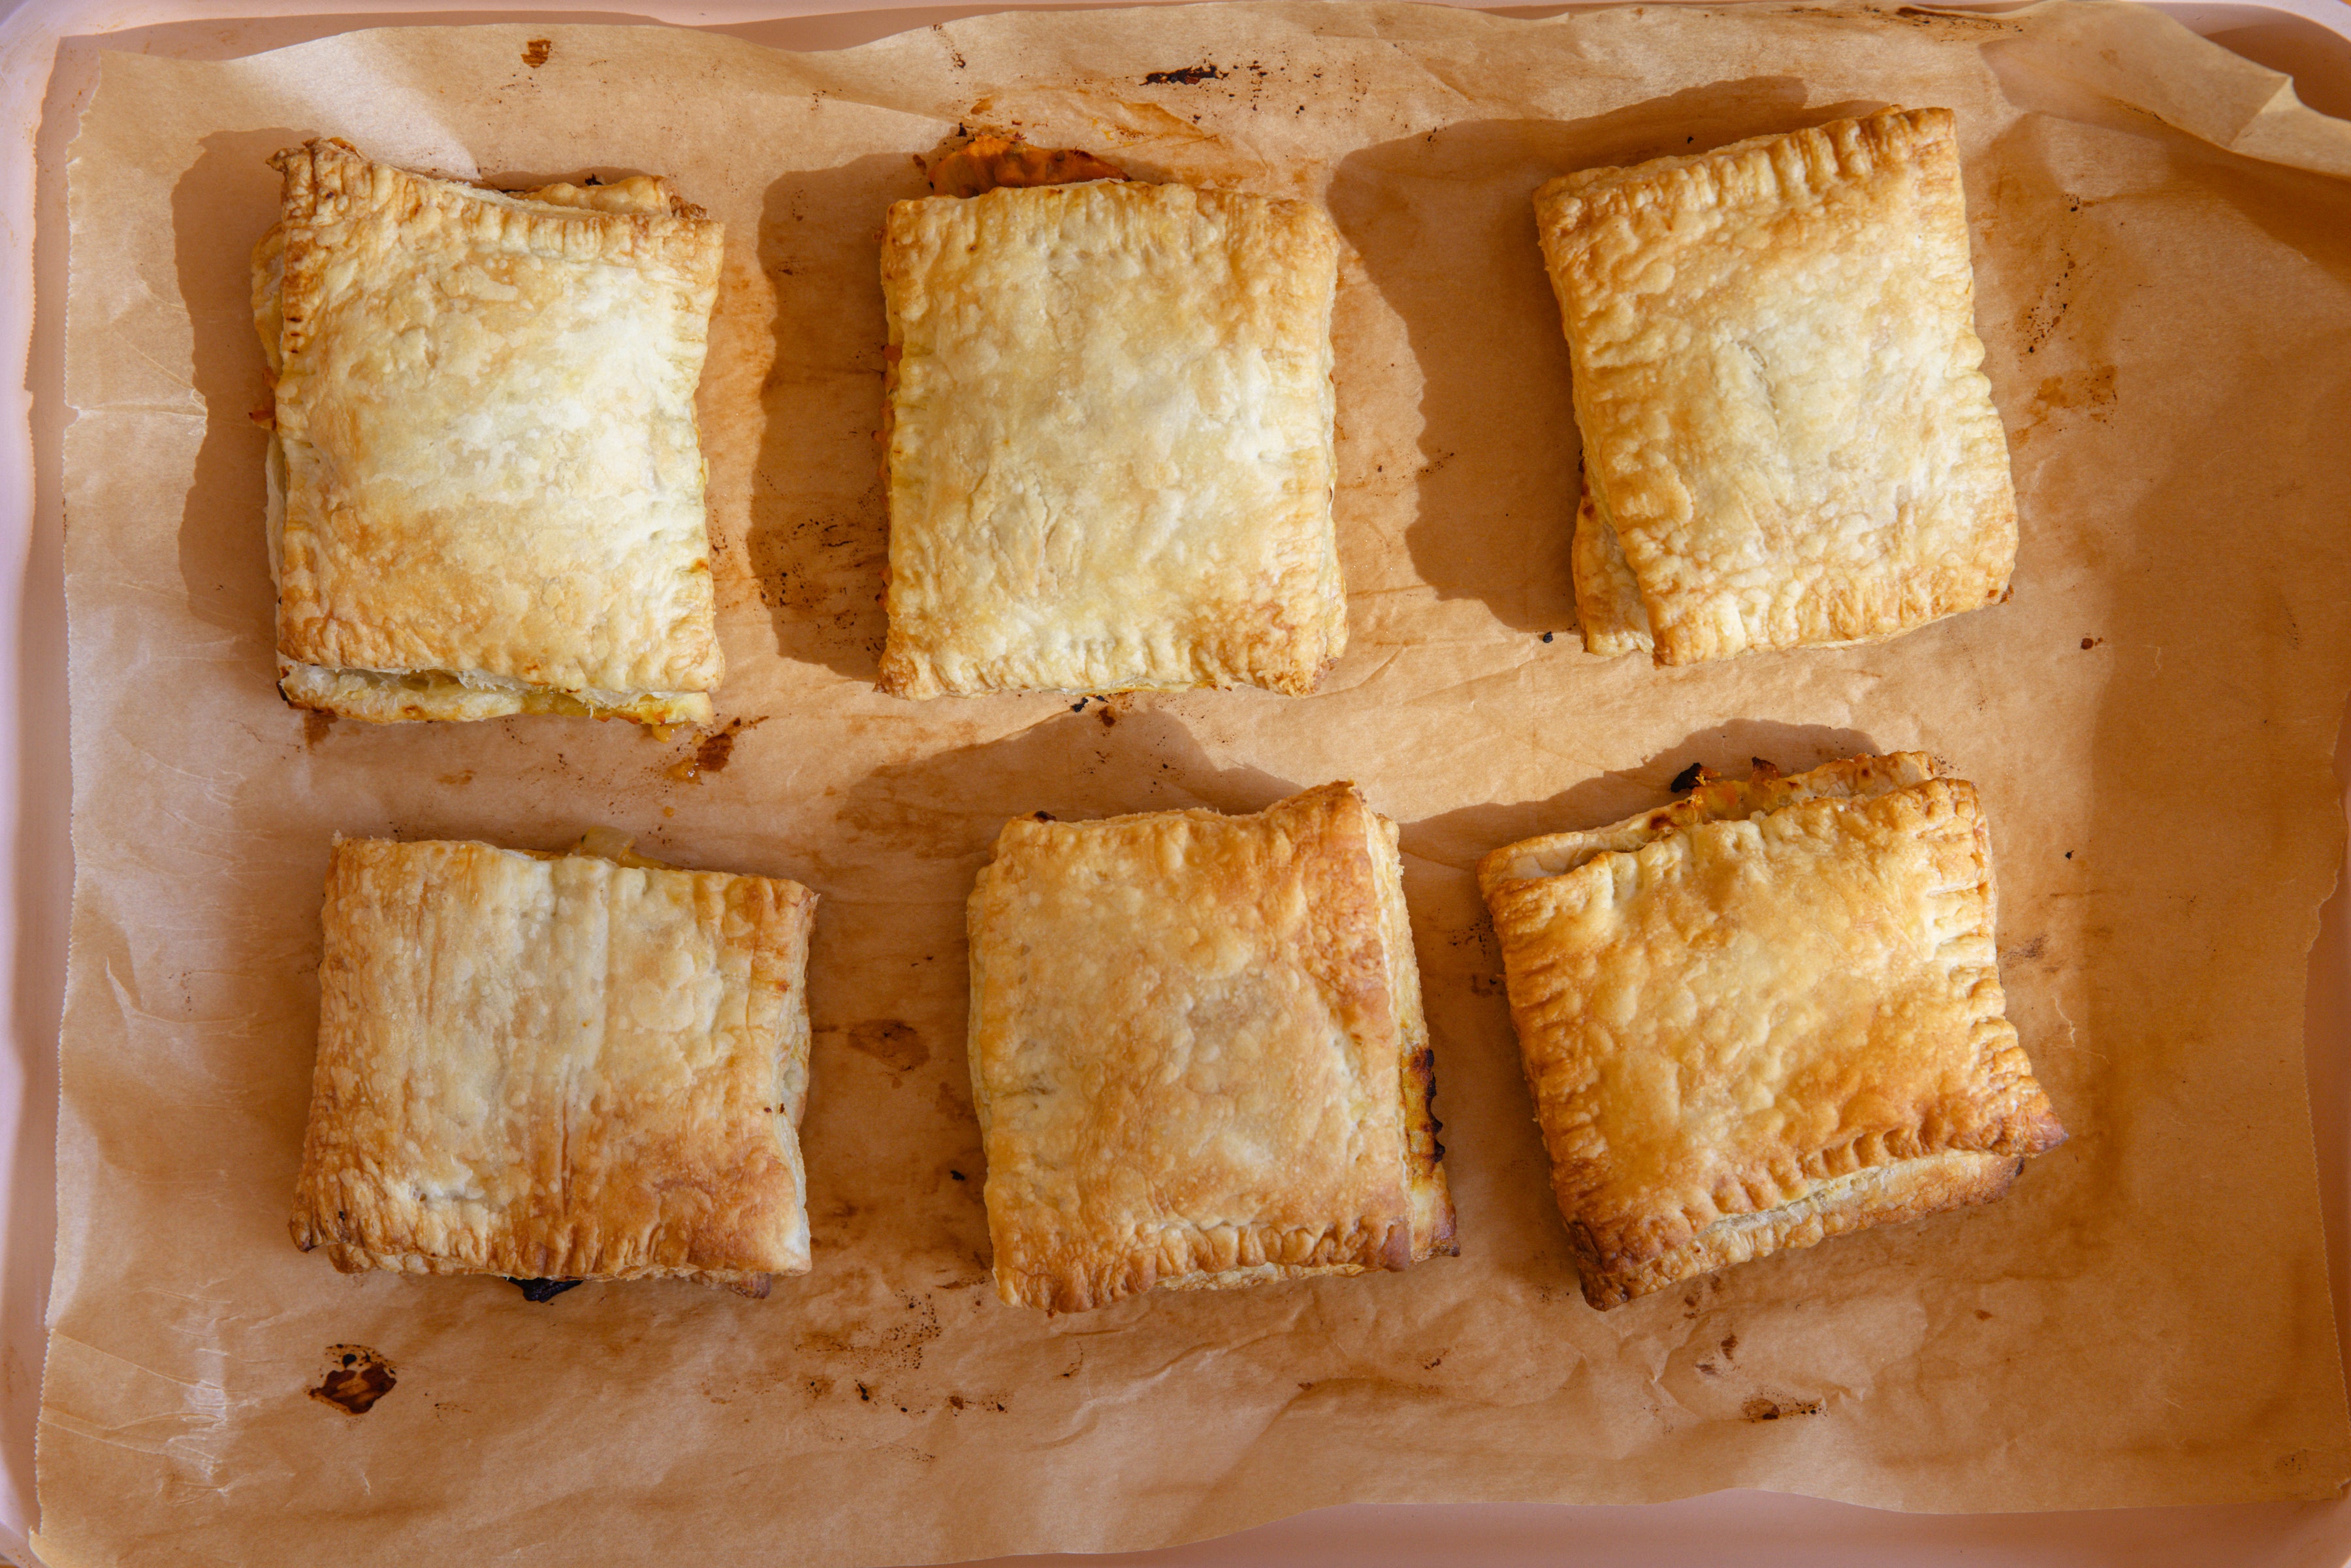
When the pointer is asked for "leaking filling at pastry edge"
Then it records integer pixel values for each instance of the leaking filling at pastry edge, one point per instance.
(990, 161)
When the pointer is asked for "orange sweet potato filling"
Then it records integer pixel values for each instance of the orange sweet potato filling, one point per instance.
(987, 162)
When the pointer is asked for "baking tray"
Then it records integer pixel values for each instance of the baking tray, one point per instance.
(48, 50)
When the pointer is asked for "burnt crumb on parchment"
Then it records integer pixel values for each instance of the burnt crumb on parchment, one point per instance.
(1762, 1409)
(355, 1378)
(1190, 76)
(1689, 778)
(542, 1290)
(535, 53)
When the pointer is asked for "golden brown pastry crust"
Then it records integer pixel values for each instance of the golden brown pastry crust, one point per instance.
(1198, 1055)
(1786, 431)
(556, 1067)
(1766, 1014)
(486, 483)
(1608, 608)
(1109, 455)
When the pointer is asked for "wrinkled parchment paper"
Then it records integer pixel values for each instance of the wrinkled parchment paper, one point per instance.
(2146, 1319)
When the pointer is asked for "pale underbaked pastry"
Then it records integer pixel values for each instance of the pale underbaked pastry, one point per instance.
(1197, 1054)
(486, 489)
(1788, 441)
(1110, 457)
(1768, 1013)
(556, 1067)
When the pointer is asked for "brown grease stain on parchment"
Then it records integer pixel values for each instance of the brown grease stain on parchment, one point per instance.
(711, 753)
(894, 1044)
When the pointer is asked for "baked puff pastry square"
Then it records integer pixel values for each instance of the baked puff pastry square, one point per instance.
(1110, 454)
(1788, 441)
(556, 1067)
(485, 487)
(1766, 1014)
(1197, 1054)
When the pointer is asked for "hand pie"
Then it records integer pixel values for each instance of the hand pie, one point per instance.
(556, 1067)
(1765, 1014)
(1109, 441)
(485, 480)
(1787, 440)
(1197, 1054)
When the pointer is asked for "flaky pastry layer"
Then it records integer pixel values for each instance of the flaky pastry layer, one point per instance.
(1766, 1014)
(1788, 438)
(1608, 608)
(382, 698)
(1198, 1053)
(1109, 448)
(556, 1067)
(486, 477)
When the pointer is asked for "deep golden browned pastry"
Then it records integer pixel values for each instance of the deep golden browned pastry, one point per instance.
(1197, 1054)
(486, 479)
(1788, 441)
(1109, 441)
(1766, 1014)
(556, 1067)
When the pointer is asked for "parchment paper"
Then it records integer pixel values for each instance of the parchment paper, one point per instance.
(2145, 1319)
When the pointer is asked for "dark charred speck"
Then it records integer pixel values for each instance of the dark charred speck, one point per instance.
(1547, 636)
(1190, 76)
(1688, 778)
(543, 1289)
